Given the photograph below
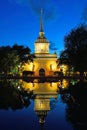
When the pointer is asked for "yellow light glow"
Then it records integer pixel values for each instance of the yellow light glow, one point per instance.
(41, 48)
(64, 69)
(65, 83)
(41, 104)
(28, 86)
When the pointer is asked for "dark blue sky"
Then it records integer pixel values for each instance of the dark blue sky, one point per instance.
(19, 20)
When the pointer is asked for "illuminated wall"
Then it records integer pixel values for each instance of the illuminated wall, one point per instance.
(41, 48)
(28, 66)
(47, 63)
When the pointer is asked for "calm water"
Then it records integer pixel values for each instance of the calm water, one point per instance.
(25, 106)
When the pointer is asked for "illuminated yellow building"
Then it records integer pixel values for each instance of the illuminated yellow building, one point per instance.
(44, 63)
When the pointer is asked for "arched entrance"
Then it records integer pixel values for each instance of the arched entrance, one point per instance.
(41, 72)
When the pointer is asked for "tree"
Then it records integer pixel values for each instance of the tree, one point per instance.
(76, 48)
(76, 108)
(12, 97)
(23, 53)
(11, 57)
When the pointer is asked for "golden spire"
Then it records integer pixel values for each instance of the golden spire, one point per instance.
(41, 23)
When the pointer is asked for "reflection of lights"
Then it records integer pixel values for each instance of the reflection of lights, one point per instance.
(53, 86)
(65, 83)
(33, 84)
(19, 66)
(62, 86)
(42, 120)
(18, 87)
(41, 104)
(35, 81)
(50, 84)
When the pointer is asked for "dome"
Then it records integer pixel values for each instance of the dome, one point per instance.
(41, 39)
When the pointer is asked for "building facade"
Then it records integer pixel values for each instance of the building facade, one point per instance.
(44, 63)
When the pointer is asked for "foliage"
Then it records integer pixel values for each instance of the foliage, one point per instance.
(75, 96)
(12, 97)
(75, 53)
(22, 52)
(11, 57)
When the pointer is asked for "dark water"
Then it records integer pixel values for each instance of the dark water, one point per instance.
(23, 104)
(26, 119)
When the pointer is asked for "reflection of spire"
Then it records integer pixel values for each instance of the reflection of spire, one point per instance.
(41, 107)
(41, 23)
(42, 119)
(42, 126)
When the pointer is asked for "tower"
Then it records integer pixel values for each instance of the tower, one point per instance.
(41, 44)
(45, 62)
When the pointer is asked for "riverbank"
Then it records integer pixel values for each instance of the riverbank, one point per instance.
(42, 78)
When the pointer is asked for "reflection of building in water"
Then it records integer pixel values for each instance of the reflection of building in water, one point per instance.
(41, 107)
(44, 87)
(63, 83)
(43, 94)
(45, 63)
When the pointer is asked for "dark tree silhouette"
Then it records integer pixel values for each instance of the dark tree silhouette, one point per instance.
(23, 53)
(11, 57)
(76, 109)
(12, 97)
(75, 52)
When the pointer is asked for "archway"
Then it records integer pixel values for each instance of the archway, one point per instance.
(41, 72)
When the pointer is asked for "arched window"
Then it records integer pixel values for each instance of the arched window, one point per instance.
(41, 72)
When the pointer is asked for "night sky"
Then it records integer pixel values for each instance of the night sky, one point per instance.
(20, 21)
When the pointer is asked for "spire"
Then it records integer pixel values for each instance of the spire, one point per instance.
(41, 23)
